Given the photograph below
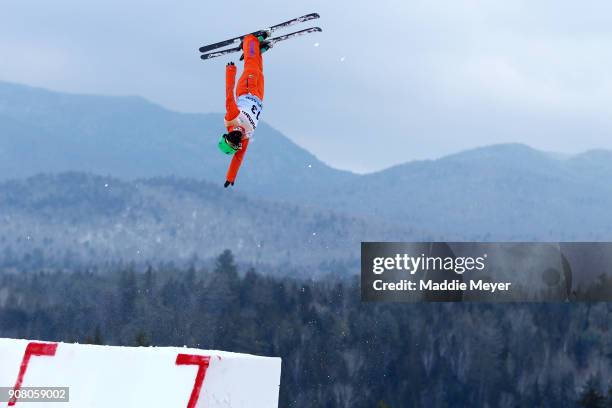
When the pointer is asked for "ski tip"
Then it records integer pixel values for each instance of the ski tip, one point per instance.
(202, 49)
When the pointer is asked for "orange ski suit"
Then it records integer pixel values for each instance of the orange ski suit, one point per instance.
(251, 82)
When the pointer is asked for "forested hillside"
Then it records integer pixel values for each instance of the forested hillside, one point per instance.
(73, 219)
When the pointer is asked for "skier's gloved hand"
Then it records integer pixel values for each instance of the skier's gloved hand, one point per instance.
(231, 63)
(227, 183)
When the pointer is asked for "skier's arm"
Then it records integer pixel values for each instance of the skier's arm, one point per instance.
(230, 102)
(236, 162)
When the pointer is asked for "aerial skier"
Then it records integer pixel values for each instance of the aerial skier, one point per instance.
(243, 108)
(242, 114)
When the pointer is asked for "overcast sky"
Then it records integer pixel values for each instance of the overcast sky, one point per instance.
(390, 81)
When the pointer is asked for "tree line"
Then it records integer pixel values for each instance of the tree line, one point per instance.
(337, 351)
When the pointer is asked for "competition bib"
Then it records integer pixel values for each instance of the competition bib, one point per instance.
(250, 108)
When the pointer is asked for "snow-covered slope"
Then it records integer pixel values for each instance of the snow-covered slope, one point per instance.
(103, 376)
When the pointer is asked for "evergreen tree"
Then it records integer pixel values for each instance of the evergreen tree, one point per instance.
(609, 397)
(225, 264)
(591, 397)
(97, 339)
(128, 291)
(141, 339)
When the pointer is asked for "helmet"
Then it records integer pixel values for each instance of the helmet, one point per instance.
(224, 146)
(231, 142)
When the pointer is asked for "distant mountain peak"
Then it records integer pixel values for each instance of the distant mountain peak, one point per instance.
(505, 150)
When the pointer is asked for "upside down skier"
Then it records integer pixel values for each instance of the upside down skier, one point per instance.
(242, 114)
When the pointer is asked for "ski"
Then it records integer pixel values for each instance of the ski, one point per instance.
(270, 40)
(237, 40)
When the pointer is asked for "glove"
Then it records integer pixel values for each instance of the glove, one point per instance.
(231, 63)
(227, 183)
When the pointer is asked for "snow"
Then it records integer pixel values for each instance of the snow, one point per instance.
(105, 376)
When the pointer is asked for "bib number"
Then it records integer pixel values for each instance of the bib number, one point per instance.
(255, 111)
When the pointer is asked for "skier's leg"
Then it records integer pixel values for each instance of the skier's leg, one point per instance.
(252, 79)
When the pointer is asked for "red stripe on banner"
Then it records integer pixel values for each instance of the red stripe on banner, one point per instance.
(202, 362)
(32, 349)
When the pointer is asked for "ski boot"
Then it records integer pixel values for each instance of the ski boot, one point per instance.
(264, 44)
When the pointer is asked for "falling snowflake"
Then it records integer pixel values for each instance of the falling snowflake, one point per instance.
(310, 166)
(342, 59)
(316, 44)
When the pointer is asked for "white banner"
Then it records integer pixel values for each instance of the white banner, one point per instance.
(140, 377)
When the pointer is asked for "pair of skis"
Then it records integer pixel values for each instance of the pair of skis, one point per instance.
(236, 42)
